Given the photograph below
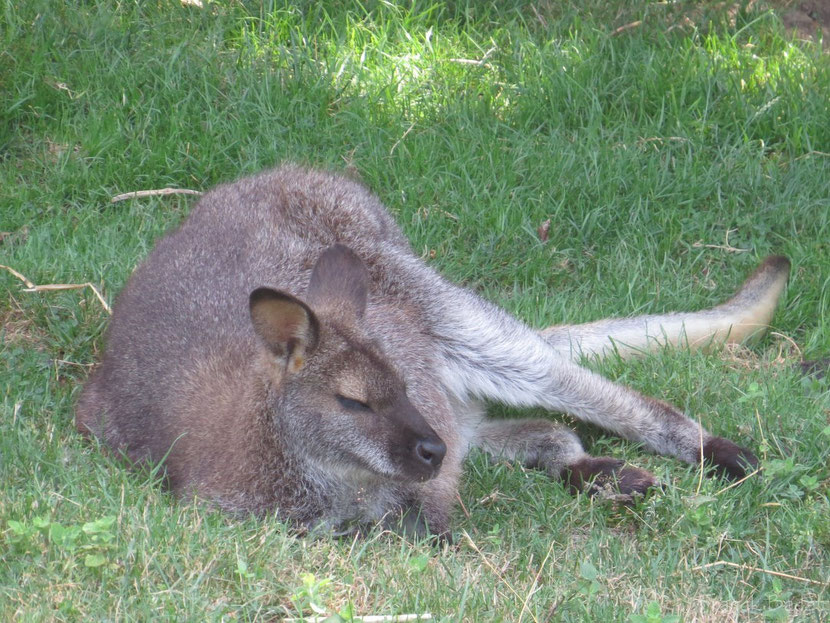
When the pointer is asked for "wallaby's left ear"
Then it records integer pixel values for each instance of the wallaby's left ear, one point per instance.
(285, 324)
(339, 283)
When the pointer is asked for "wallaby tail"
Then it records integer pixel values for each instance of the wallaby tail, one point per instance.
(743, 317)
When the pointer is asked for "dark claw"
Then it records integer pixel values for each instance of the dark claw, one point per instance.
(728, 459)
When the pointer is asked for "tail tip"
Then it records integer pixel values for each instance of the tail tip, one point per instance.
(776, 263)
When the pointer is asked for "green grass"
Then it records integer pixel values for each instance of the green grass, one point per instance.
(475, 122)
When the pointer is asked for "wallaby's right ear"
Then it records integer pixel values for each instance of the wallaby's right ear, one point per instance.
(286, 325)
(339, 284)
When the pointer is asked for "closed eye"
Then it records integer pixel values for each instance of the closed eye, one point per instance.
(352, 405)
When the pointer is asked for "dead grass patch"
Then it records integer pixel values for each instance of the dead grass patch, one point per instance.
(784, 354)
(18, 329)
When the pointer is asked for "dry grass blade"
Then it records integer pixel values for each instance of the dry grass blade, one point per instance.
(53, 287)
(494, 570)
(737, 482)
(403, 136)
(535, 583)
(779, 574)
(138, 194)
(28, 283)
(625, 27)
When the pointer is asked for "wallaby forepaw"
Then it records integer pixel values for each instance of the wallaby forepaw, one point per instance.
(728, 459)
(610, 478)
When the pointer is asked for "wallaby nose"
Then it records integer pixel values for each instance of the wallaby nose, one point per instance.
(431, 451)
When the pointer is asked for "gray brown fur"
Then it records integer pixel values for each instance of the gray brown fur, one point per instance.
(285, 351)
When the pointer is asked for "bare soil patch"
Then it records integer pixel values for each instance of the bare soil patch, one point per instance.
(810, 19)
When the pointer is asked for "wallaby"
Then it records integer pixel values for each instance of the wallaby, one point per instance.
(285, 351)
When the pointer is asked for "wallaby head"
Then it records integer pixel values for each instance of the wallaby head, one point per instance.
(338, 403)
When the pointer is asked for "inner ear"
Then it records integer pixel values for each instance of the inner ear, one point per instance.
(285, 324)
(339, 283)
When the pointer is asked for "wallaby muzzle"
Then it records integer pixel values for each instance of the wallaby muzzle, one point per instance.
(423, 451)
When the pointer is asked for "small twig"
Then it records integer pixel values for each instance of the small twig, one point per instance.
(482, 62)
(62, 86)
(626, 27)
(724, 563)
(28, 283)
(52, 287)
(137, 194)
(470, 61)
(74, 363)
(66, 499)
(726, 247)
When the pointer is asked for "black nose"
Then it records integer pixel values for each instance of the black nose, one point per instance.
(431, 451)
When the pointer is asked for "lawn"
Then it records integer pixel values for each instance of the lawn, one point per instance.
(671, 146)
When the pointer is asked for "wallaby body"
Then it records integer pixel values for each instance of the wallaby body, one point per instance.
(284, 350)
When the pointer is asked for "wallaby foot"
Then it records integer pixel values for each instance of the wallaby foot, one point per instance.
(607, 476)
(728, 459)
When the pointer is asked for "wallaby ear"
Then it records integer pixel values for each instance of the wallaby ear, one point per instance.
(339, 283)
(285, 324)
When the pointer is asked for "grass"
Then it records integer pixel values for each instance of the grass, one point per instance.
(669, 157)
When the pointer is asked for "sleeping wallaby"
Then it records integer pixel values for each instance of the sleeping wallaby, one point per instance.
(285, 351)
